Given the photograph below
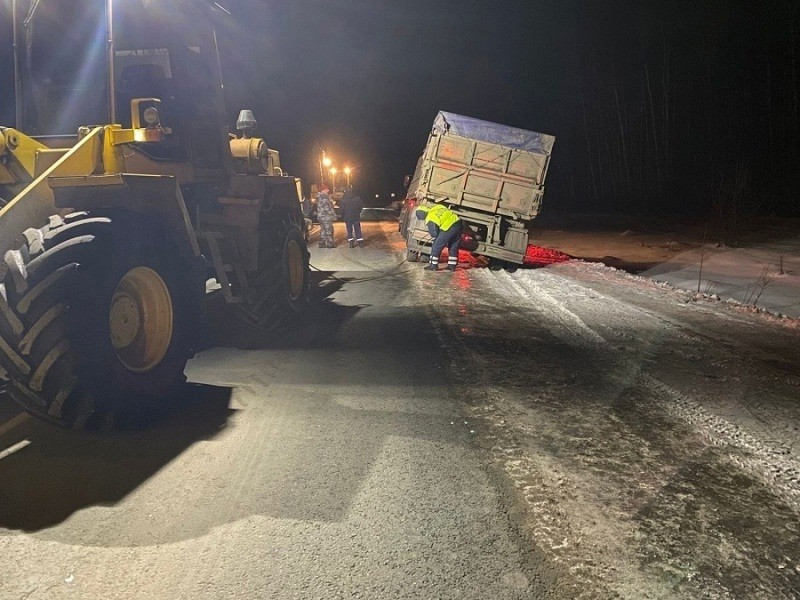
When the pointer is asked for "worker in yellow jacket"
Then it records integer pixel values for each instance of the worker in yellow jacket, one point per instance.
(445, 228)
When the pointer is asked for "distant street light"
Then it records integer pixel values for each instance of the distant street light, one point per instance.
(333, 172)
(324, 163)
(377, 195)
(392, 195)
(347, 171)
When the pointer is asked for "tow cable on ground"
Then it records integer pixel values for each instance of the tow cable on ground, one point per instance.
(383, 274)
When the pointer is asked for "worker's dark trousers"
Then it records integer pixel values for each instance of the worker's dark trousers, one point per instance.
(354, 231)
(449, 239)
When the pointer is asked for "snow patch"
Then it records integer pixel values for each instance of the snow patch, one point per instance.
(763, 275)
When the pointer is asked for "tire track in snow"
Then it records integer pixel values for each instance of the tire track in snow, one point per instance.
(609, 275)
(544, 487)
(572, 326)
(769, 464)
(536, 484)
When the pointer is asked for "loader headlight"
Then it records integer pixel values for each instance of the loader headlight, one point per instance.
(150, 116)
(145, 113)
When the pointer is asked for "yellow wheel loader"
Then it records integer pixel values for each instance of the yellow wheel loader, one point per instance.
(110, 231)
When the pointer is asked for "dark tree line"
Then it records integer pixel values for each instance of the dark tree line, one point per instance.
(688, 107)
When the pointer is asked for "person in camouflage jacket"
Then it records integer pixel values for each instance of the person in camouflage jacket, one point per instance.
(326, 216)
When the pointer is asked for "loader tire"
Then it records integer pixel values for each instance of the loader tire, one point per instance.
(280, 291)
(95, 315)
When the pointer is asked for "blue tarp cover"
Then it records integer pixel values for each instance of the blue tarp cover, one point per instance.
(494, 133)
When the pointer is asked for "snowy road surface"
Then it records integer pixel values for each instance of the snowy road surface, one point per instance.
(654, 442)
(566, 432)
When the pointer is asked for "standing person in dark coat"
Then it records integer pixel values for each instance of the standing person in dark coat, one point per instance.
(351, 206)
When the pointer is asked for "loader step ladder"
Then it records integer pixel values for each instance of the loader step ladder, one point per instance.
(222, 269)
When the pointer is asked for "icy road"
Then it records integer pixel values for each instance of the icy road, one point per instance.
(560, 432)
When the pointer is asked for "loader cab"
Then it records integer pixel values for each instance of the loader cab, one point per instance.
(167, 51)
(162, 49)
(190, 109)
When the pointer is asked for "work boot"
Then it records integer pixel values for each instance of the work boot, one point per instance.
(352, 244)
(430, 267)
(451, 268)
(360, 243)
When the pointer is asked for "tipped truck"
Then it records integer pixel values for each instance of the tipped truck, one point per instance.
(490, 174)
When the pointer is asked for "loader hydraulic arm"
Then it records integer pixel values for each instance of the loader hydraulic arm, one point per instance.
(34, 202)
(28, 170)
(17, 157)
(23, 159)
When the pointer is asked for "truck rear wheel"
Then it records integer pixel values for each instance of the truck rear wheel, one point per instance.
(496, 264)
(280, 291)
(95, 318)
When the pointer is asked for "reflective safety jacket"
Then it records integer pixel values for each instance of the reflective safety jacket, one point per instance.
(441, 217)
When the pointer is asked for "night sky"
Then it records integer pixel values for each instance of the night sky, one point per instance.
(659, 107)
(364, 80)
